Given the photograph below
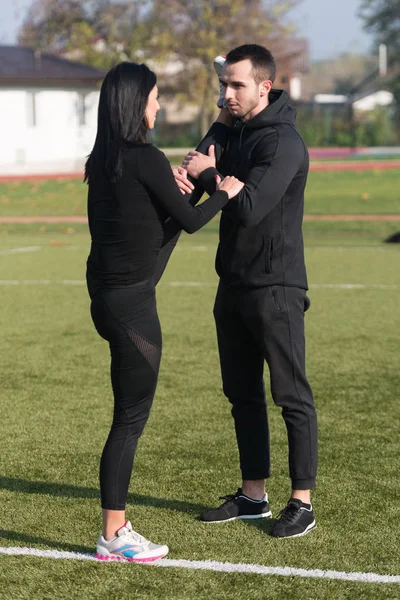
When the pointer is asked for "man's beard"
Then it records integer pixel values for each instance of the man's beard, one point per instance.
(243, 112)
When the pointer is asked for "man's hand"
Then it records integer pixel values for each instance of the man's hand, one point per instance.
(180, 174)
(195, 162)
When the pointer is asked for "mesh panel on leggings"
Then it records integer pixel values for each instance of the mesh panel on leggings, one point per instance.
(151, 352)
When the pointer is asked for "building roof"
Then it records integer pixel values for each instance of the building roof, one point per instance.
(26, 66)
(293, 52)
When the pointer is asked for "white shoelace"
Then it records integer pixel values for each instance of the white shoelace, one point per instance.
(136, 538)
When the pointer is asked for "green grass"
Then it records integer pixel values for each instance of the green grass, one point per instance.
(353, 192)
(58, 197)
(175, 159)
(360, 192)
(55, 403)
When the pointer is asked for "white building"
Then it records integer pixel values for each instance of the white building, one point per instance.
(48, 112)
(362, 102)
(48, 107)
(374, 99)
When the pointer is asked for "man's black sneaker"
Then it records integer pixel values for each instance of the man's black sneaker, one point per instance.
(294, 520)
(238, 506)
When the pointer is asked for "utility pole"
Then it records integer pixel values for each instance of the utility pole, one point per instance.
(382, 60)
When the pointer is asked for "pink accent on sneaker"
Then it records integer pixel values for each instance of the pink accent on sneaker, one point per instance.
(116, 533)
(120, 558)
(122, 526)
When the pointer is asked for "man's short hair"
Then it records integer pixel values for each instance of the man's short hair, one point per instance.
(263, 62)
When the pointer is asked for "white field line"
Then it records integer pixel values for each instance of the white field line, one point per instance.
(338, 286)
(333, 286)
(354, 286)
(220, 567)
(42, 282)
(21, 250)
(65, 246)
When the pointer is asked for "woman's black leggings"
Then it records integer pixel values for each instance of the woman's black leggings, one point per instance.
(127, 318)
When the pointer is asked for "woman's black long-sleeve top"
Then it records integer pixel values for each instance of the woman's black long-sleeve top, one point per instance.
(132, 220)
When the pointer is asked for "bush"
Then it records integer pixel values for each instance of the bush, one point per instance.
(328, 125)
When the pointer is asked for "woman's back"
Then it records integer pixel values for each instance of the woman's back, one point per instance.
(126, 224)
(126, 218)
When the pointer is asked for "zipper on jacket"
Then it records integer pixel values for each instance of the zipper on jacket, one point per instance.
(241, 135)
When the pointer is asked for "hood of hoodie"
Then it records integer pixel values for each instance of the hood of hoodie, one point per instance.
(277, 112)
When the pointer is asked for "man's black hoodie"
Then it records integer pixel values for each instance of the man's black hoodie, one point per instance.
(261, 242)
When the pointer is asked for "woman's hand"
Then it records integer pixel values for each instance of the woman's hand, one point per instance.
(229, 184)
(182, 180)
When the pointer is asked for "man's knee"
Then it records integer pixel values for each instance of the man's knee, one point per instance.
(295, 405)
(243, 400)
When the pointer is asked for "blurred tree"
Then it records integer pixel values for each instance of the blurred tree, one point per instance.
(195, 31)
(95, 32)
(49, 24)
(187, 34)
(382, 18)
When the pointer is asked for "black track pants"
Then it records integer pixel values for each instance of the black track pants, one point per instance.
(127, 318)
(260, 324)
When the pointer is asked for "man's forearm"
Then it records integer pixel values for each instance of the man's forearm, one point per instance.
(217, 136)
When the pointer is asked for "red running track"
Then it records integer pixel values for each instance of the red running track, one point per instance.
(83, 219)
(356, 165)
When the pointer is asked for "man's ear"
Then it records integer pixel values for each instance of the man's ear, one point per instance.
(265, 87)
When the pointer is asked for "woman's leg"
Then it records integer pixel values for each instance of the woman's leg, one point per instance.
(134, 382)
(128, 319)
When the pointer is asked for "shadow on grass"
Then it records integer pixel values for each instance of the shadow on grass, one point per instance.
(65, 490)
(33, 540)
(45, 488)
(264, 525)
(71, 491)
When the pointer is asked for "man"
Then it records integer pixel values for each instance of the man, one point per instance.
(261, 298)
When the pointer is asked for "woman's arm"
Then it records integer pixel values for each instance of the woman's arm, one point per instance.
(156, 175)
(216, 136)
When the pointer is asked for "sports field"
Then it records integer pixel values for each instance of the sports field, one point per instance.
(372, 191)
(55, 403)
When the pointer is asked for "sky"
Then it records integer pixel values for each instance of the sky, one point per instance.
(332, 26)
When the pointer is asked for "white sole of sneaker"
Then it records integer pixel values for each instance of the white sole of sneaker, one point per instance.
(311, 526)
(110, 557)
(267, 515)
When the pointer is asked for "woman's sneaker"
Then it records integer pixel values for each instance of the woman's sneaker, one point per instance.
(129, 546)
(238, 506)
(219, 62)
(294, 520)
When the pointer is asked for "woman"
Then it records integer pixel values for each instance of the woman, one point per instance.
(135, 212)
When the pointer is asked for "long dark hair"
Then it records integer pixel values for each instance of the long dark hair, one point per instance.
(121, 117)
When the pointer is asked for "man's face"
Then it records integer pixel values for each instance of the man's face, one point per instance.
(244, 97)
